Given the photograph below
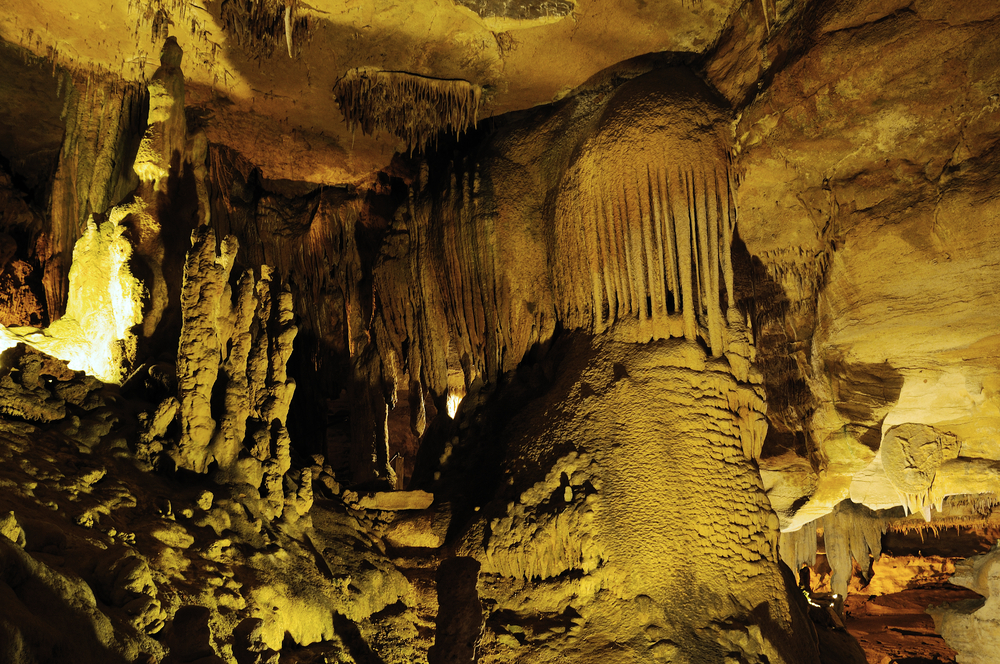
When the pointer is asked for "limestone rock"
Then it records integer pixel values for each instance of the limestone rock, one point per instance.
(425, 530)
(23, 393)
(396, 500)
(911, 455)
(970, 626)
(11, 529)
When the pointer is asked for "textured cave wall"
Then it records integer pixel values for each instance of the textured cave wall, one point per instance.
(864, 151)
(606, 507)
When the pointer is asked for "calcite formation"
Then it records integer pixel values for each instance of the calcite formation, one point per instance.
(237, 346)
(479, 331)
(970, 626)
(414, 108)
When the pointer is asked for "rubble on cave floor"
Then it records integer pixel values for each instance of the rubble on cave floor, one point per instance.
(106, 562)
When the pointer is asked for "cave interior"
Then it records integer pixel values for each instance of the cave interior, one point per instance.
(360, 332)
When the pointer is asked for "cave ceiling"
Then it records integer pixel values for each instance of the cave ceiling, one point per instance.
(279, 111)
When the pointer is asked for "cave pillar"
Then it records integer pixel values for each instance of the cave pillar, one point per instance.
(635, 483)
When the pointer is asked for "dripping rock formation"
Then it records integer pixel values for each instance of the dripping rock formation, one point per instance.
(463, 331)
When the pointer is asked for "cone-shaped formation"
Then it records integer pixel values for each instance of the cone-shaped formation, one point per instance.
(414, 108)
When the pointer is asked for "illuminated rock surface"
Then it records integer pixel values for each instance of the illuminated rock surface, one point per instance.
(455, 331)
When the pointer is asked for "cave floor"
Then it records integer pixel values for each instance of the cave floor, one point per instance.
(894, 628)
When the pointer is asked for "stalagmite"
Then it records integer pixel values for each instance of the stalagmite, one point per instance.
(239, 349)
(228, 441)
(167, 132)
(288, 28)
(94, 171)
(203, 296)
(104, 302)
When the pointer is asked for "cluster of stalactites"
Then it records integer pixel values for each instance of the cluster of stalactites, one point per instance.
(636, 241)
(446, 276)
(411, 107)
(652, 246)
(258, 26)
(851, 531)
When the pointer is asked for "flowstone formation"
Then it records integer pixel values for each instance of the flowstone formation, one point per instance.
(608, 477)
(624, 523)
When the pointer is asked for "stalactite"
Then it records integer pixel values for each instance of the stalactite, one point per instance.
(799, 548)
(912, 454)
(166, 135)
(643, 222)
(412, 107)
(288, 29)
(851, 531)
(661, 238)
(973, 512)
(259, 26)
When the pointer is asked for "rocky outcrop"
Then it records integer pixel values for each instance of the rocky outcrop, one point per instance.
(103, 562)
(846, 178)
(970, 626)
(23, 391)
(608, 502)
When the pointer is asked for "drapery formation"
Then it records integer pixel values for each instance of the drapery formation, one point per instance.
(623, 219)
(645, 215)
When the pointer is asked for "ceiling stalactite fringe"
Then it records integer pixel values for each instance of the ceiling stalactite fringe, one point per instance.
(656, 251)
(411, 107)
(259, 26)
